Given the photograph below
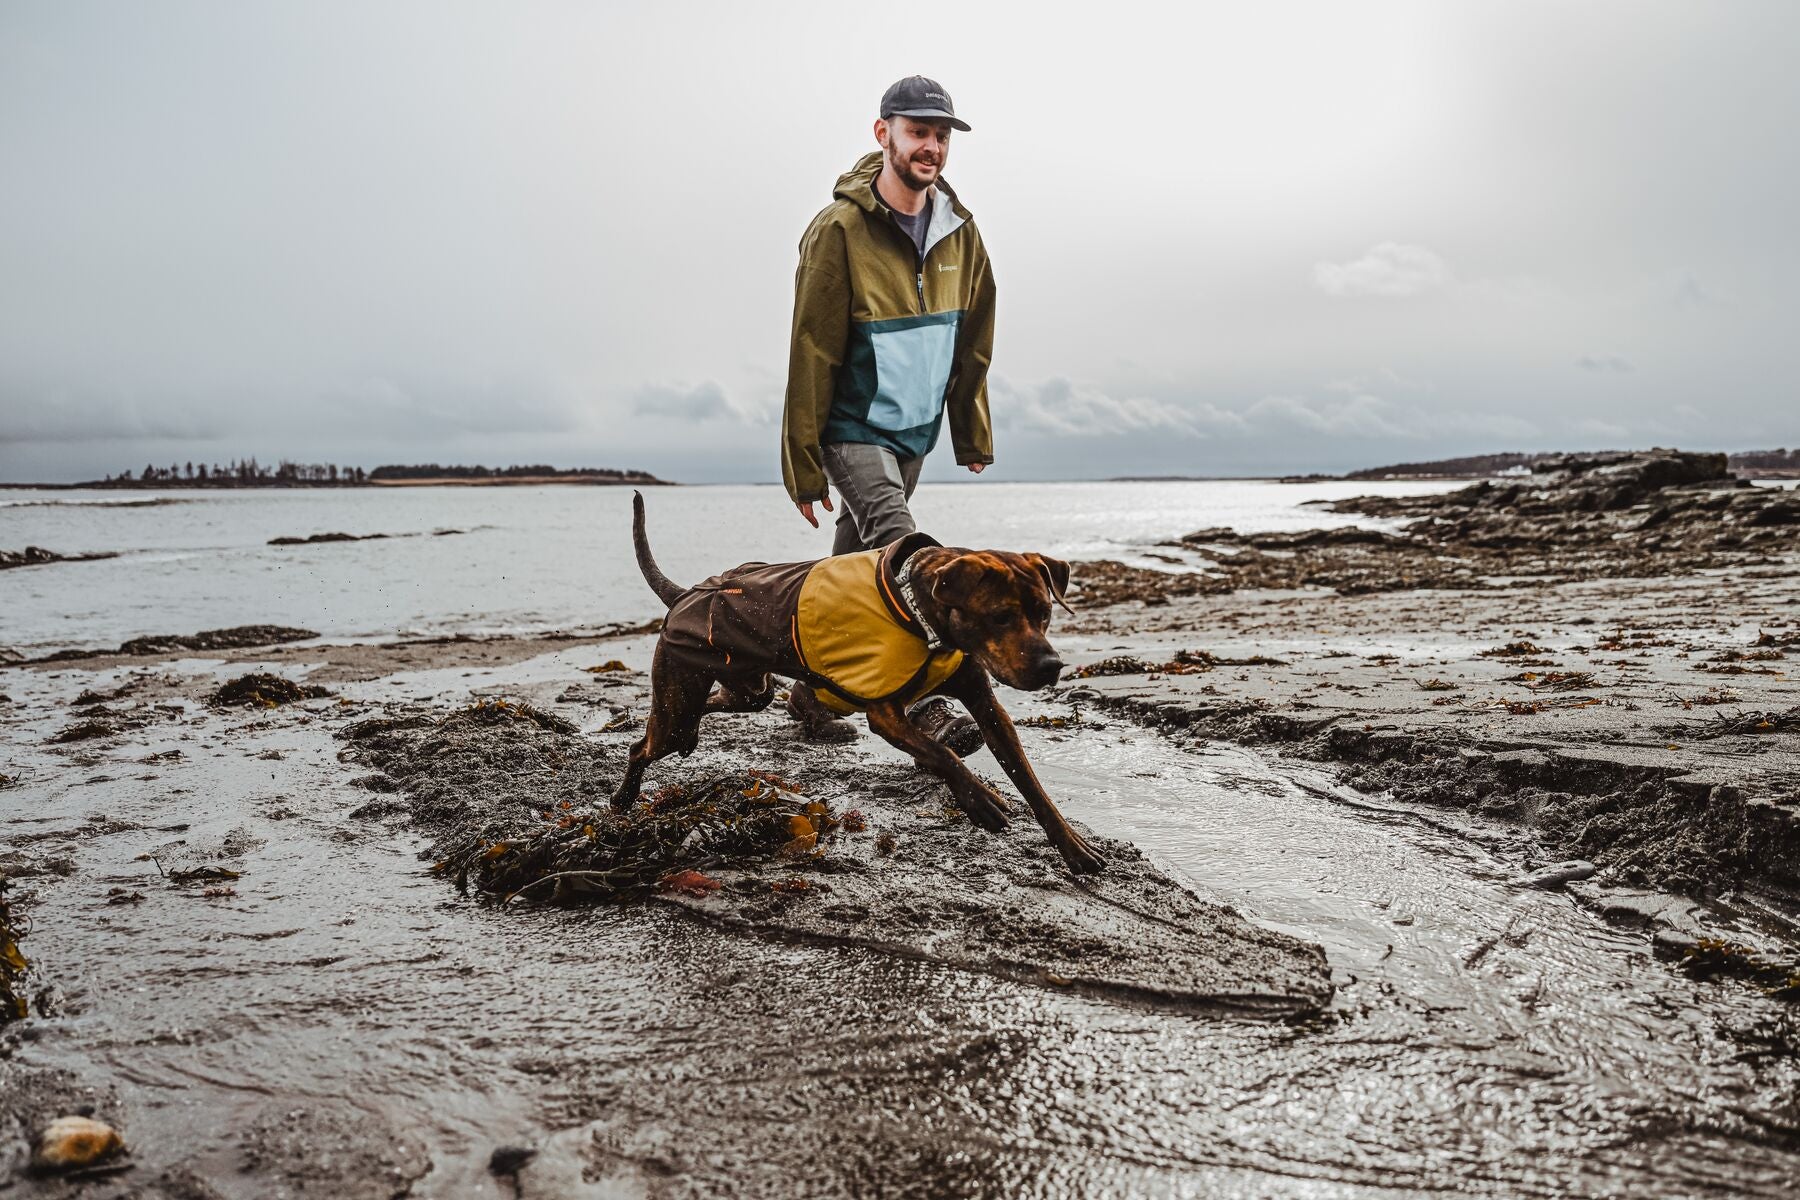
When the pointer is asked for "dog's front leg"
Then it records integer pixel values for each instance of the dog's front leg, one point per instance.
(970, 685)
(985, 807)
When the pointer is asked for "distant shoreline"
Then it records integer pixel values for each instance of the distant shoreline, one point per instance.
(187, 485)
(518, 481)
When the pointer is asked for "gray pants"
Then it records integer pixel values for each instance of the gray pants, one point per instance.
(873, 487)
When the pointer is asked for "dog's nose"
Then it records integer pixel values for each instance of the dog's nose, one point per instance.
(1047, 670)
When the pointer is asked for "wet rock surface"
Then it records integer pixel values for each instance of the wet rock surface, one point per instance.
(1575, 517)
(314, 539)
(1601, 772)
(37, 556)
(1597, 652)
(236, 638)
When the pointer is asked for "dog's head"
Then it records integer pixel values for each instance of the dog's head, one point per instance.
(995, 606)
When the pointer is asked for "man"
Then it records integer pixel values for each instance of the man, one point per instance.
(893, 332)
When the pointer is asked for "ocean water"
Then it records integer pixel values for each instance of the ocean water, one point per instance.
(528, 559)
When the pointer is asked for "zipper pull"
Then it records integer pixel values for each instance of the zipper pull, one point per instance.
(921, 278)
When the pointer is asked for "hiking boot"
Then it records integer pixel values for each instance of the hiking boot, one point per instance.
(950, 729)
(817, 723)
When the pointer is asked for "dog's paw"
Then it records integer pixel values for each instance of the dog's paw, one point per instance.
(984, 807)
(1082, 858)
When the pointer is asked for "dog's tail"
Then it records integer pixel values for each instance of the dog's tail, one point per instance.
(665, 588)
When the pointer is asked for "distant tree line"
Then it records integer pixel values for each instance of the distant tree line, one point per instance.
(1754, 461)
(246, 472)
(434, 471)
(1473, 465)
(1749, 462)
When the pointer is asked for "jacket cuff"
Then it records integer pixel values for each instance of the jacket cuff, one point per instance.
(963, 460)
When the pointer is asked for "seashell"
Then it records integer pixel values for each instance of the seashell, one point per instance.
(71, 1143)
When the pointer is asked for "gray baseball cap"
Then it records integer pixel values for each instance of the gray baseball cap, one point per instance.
(917, 96)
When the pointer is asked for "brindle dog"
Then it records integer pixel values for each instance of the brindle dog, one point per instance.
(992, 605)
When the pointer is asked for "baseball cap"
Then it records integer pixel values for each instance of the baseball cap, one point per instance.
(917, 96)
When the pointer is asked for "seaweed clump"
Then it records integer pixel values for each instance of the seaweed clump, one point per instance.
(1185, 662)
(665, 843)
(13, 1006)
(259, 689)
(1711, 957)
(496, 712)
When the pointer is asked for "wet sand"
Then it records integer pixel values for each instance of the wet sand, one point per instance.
(1651, 725)
(339, 1020)
(242, 958)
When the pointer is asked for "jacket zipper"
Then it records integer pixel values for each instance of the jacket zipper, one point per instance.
(919, 277)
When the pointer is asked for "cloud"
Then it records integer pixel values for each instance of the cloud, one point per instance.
(1344, 410)
(446, 406)
(1386, 379)
(94, 415)
(1690, 293)
(1359, 415)
(1390, 270)
(1603, 362)
(1593, 427)
(702, 402)
(1067, 409)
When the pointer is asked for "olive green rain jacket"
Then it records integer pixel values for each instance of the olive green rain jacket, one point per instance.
(886, 342)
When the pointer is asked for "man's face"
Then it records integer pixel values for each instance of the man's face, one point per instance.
(916, 148)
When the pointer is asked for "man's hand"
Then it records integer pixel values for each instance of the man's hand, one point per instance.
(977, 468)
(807, 512)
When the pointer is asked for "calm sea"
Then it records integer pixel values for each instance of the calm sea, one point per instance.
(529, 558)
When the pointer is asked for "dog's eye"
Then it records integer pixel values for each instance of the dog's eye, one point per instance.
(1000, 620)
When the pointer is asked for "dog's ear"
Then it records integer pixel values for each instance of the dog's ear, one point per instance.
(953, 586)
(1056, 575)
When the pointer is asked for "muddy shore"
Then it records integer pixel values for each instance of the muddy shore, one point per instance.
(247, 954)
(1600, 656)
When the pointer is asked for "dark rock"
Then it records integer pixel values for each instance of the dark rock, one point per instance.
(1558, 874)
(35, 556)
(507, 1160)
(1576, 517)
(238, 637)
(326, 537)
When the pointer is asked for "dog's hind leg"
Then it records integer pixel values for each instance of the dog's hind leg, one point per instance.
(741, 693)
(677, 698)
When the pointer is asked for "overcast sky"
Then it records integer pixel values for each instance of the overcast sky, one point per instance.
(1229, 238)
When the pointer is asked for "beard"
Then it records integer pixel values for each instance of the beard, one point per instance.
(904, 169)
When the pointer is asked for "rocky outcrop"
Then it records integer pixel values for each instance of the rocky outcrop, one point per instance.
(238, 637)
(36, 556)
(1649, 513)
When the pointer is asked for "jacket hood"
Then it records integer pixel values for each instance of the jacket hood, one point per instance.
(857, 185)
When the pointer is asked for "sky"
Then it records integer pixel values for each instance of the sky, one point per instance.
(1229, 239)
